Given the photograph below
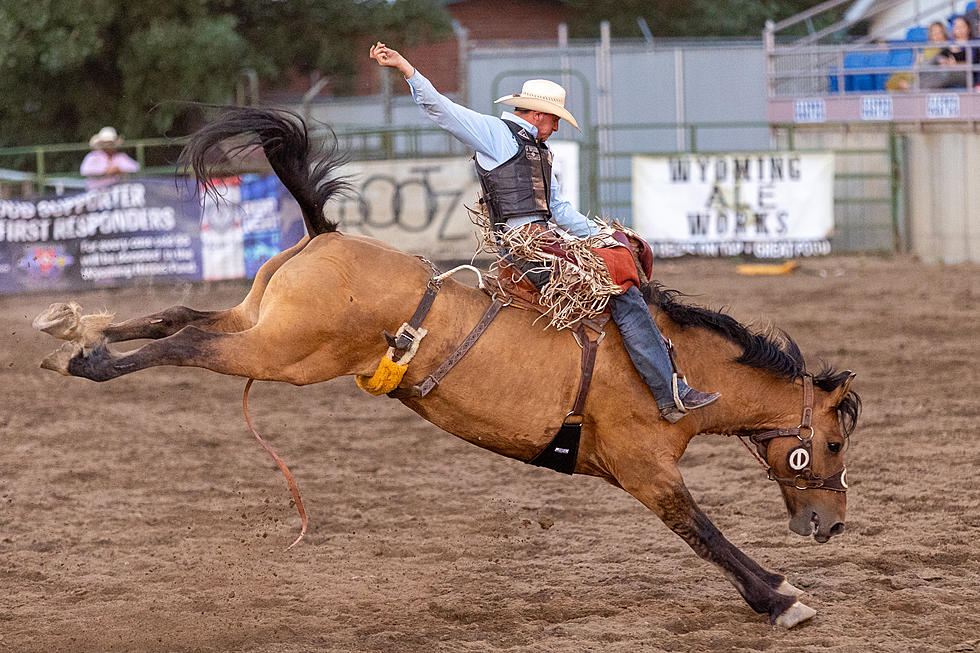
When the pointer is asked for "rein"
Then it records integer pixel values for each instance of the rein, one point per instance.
(800, 458)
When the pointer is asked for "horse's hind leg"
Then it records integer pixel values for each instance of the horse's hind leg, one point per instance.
(171, 320)
(66, 322)
(263, 352)
(765, 592)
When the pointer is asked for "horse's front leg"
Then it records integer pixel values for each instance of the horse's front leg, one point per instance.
(765, 592)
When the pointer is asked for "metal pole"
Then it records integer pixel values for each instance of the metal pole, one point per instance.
(769, 41)
(566, 79)
(386, 103)
(899, 244)
(679, 113)
(604, 103)
(39, 179)
(463, 64)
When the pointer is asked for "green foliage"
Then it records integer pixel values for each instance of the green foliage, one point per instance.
(67, 68)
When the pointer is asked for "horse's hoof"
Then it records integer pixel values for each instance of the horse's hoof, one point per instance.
(61, 320)
(793, 615)
(786, 589)
(66, 322)
(57, 361)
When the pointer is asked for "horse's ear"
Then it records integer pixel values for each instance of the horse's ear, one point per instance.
(844, 388)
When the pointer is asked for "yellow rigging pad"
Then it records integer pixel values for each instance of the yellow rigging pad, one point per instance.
(389, 373)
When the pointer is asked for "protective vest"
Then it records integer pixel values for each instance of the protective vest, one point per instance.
(520, 186)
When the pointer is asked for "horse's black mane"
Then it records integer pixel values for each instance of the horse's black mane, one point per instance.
(772, 350)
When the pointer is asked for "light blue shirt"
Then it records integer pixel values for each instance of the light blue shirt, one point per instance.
(494, 144)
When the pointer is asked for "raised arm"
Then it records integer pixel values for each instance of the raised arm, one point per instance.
(387, 57)
(486, 135)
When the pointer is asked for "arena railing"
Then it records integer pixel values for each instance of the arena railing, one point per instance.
(825, 75)
(36, 168)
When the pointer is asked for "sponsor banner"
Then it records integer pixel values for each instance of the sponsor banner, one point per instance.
(101, 237)
(420, 205)
(763, 204)
(243, 227)
(152, 229)
(165, 231)
(565, 163)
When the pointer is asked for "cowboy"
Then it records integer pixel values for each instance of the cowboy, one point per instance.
(519, 186)
(104, 165)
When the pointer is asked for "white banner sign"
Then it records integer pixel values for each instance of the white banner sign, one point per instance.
(415, 205)
(764, 204)
(565, 163)
(418, 205)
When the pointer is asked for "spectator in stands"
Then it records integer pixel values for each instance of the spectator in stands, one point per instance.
(105, 165)
(958, 53)
(903, 81)
(937, 34)
(973, 18)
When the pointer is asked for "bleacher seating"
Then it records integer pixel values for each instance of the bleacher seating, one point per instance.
(896, 57)
(917, 34)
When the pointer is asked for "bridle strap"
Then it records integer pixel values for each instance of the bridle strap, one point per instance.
(806, 419)
(805, 479)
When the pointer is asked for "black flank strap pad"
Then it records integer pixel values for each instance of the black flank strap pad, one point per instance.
(562, 452)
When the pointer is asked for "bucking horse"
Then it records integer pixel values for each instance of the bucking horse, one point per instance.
(321, 308)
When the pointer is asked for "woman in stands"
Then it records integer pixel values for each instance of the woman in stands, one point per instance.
(958, 53)
(902, 81)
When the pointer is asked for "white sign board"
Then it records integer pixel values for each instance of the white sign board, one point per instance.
(764, 204)
(565, 163)
(814, 110)
(416, 205)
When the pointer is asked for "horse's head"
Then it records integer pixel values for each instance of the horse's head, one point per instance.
(808, 461)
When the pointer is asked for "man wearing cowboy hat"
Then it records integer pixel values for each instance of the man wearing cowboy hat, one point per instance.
(520, 187)
(104, 165)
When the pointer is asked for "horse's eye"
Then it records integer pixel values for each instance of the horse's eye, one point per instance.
(834, 447)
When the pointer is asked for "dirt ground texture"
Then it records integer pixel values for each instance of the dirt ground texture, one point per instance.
(141, 515)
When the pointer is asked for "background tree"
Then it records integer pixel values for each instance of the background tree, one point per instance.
(68, 68)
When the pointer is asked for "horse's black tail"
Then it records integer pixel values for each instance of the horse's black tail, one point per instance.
(285, 140)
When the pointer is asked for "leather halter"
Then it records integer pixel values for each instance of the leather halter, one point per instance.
(800, 457)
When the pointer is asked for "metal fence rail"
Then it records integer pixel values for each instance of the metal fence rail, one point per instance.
(867, 189)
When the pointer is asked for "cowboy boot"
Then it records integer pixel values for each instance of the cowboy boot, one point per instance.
(686, 399)
(645, 346)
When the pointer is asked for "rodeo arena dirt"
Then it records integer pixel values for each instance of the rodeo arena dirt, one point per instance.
(141, 515)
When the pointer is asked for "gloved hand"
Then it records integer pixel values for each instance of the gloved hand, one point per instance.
(607, 238)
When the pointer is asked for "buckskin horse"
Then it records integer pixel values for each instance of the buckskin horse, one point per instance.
(317, 311)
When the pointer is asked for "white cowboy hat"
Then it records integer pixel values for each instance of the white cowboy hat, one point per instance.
(107, 137)
(541, 95)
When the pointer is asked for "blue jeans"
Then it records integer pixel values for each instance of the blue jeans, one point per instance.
(645, 346)
(641, 337)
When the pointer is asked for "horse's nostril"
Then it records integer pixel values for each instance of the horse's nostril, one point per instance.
(837, 528)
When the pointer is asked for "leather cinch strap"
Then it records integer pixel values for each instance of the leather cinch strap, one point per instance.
(589, 348)
(426, 385)
(404, 340)
(561, 454)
